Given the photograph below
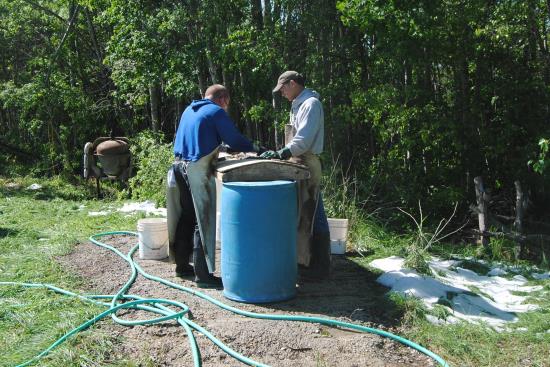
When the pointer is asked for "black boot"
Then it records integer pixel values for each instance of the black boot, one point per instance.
(202, 277)
(182, 251)
(182, 246)
(184, 270)
(320, 263)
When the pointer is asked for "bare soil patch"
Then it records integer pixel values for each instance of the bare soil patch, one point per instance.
(351, 295)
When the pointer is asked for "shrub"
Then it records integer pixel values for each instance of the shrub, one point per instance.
(152, 158)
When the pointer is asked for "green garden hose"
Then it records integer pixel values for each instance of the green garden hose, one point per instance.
(121, 300)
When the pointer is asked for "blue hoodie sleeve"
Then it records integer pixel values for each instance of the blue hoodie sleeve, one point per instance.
(230, 135)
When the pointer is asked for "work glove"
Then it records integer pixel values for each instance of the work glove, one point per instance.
(283, 154)
(270, 154)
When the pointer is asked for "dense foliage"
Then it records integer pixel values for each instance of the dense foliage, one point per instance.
(152, 159)
(420, 96)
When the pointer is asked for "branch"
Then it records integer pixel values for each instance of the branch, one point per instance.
(46, 10)
(453, 232)
(513, 236)
(16, 150)
(437, 239)
(67, 31)
(93, 36)
(413, 218)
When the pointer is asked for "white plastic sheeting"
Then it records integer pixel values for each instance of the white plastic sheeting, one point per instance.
(490, 299)
(147, 206)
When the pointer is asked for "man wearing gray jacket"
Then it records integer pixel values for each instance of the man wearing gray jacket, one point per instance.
(304, 147)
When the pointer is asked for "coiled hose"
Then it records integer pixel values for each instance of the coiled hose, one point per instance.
(121, 300)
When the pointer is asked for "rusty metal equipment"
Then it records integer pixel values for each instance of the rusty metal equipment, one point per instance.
(108, 158)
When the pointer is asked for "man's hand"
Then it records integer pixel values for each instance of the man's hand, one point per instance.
(283, 154)
(270, 154)
(258, 147)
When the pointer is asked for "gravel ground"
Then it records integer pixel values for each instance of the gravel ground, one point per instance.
(347, 296)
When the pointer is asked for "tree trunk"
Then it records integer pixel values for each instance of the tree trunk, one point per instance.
(93, 36)
(277, 10)
(481, 197)
(256, 9)
(268, 21)
(533, 30)
(179, 111)
(212, 70)
(248, 127)
(192, 30)
(154, 97)
(202, 80)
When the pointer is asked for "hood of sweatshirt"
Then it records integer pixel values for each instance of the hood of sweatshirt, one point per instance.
(197, 104)
(306, 93)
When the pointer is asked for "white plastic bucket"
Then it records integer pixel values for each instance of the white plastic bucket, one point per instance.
(338, 235)
(153, 238)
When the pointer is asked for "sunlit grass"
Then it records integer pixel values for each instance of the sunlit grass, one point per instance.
(36, 226)
(524, 343)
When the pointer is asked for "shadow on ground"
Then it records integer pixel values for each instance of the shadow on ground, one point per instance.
(80, 190)
(351, 292)
(6, 232)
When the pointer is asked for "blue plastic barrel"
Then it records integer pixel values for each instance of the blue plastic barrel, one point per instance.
(258, 236)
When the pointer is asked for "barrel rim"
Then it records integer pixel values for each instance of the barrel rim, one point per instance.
(262, 184)
(342, 221)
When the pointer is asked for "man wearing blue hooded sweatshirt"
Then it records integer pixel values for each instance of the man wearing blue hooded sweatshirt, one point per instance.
(304, 146)
(191, 194)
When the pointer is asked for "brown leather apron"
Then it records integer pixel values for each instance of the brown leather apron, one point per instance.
(308, 196)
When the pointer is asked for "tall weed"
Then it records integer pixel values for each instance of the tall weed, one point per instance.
(340, 199)
(417, 252)
(346, 197)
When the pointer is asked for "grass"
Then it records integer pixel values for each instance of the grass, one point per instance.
(462, 344)
(475, 266)
(472, 345)
(36, 226)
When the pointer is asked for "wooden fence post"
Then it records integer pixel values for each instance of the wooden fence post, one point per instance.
(481, 198)
(518, 222)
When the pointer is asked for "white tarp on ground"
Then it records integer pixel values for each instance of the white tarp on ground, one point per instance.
(147, 206)
(34, 186)
(471, 297)
(96, 214)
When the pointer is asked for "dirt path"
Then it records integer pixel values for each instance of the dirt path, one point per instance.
(351, 295)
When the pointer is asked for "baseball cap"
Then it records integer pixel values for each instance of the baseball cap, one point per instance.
(288, 76)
